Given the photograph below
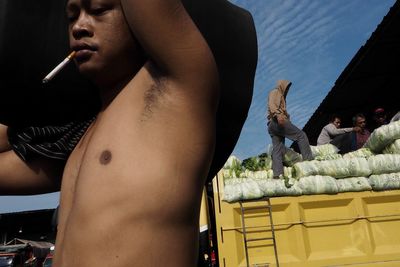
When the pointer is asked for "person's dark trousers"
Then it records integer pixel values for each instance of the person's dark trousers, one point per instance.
(278, 134)
(344, 142)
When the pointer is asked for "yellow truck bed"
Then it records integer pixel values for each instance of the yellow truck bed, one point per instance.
(347, 229)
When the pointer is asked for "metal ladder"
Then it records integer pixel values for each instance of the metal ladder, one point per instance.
(268, 207)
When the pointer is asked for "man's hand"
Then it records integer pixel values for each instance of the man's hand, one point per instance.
(356, 129)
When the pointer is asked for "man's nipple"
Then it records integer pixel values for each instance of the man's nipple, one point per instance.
(105, 157)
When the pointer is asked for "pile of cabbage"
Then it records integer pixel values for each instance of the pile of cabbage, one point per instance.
(376, 167)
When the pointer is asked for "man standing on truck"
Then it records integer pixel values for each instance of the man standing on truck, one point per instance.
(280, 127)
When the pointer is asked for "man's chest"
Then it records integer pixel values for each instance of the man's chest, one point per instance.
(75, 159)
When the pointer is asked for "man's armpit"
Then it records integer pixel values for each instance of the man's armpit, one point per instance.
(156, 90)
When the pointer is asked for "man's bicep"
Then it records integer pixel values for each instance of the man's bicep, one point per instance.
(169, 36)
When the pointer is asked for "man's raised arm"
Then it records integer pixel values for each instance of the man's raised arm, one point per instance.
(171, 39)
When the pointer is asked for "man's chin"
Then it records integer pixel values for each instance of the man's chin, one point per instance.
(88, 71)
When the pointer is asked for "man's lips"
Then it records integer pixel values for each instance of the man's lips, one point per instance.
(83, 51)
(83, 54)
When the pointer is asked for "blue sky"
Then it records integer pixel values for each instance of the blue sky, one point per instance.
(308, 42)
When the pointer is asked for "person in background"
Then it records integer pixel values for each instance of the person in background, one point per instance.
(31, 260)
(353, 140)
(360, 137)
(333, 132)
(379, 118)
(280, 127)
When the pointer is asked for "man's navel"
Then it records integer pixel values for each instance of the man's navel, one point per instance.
(105, 157)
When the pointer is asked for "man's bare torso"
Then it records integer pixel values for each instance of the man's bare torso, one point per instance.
(126, 182)
(132, 187)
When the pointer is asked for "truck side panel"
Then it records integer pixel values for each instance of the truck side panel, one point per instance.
(355, 229)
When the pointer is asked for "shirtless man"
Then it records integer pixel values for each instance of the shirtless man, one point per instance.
(174, 102)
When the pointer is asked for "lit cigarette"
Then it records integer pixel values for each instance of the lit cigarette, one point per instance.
(59, 67)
